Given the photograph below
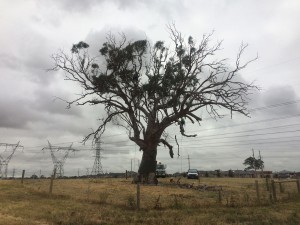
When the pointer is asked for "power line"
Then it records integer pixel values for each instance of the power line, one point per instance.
(246, 131)
(241, 142)
(254, 109)
(208, 137)
(235, 125)
(229, 157)
(253, 122)
(248, 135)
(255, 143)
(274, 106)
(273, 65)
(200, 138)
(259, 108)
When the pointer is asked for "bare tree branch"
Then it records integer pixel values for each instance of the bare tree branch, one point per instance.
(169, 146)
(147, 88)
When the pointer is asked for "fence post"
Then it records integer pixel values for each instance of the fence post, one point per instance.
(257, 191)
(298, 186)
(138, 196)
(281, 187)
(126, 174)
(23, 174)
(274, 190)
(52, 178)
(267, 184)
(220, 197)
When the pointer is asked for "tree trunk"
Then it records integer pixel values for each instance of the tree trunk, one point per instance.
(147, 169)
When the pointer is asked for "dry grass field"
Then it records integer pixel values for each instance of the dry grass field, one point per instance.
(113, 201)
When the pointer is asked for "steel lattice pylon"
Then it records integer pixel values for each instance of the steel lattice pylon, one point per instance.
(97, 168)
(59, 161)
(5, 160)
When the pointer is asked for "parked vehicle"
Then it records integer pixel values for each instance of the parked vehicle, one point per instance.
(161, 170)
(192, 174)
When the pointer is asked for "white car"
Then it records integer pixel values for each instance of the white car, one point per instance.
(192, 174)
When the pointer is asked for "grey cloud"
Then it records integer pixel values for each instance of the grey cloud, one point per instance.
(166, 9)
(29, 57)
(84, 6)
(96, 38)
(78, 5)
(118, 151)
(46, 100)
(281, 94)
(59, 127)
(36, 60)
(10, 61)
(16, 113)
(27, 155)
(278, 94)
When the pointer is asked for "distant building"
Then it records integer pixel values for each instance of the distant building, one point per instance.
(285, 174)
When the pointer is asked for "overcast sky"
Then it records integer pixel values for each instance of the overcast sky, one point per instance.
(32, 31)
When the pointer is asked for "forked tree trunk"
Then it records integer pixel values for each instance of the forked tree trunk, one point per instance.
(147, 169)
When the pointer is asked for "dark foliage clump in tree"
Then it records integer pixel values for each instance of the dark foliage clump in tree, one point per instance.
(230, 173)
(253, 164)
(147, 88)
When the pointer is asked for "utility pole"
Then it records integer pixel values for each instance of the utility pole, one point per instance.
(254, 162)
(262, 166)
(130, 167)
(97, 168)
(181, 164)
(189, 161)
(6, 156)
(59, 162)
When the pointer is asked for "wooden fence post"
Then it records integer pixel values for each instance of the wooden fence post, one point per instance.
(23, 174)
(126, 174)
(220, 197)
(138, 196)
(257, 191)
(298, 186)
(51, 182)
(267, 184)
(281, 187)
(274, 190)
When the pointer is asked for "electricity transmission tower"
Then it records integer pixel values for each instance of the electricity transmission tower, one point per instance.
(60, 160)
(6, 156)
(97, 168)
